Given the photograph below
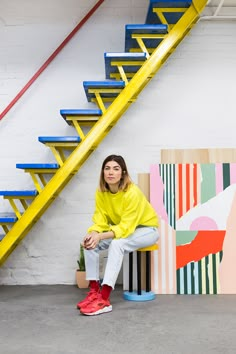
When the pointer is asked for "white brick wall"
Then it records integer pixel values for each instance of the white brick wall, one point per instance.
(190, 103)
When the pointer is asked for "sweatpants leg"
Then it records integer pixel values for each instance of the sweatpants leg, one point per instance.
(92, 259)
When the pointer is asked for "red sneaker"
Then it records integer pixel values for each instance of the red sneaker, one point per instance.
(91, 295)
(96, 307)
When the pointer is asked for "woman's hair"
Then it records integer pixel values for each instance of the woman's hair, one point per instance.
(125, 179)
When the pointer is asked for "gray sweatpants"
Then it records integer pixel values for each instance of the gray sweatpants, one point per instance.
(142, 237)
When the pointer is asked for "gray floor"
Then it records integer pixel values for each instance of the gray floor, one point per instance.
(43, 319)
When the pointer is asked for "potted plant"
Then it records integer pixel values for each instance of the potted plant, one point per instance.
(81, 271)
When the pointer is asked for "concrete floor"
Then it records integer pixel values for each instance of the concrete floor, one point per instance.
(44, 319)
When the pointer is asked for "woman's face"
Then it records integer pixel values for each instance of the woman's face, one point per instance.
(112, 175)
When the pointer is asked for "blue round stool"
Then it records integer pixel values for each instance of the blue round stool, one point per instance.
(140, 295)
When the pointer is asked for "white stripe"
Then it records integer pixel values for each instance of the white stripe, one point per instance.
(210, 273)
(218, 290)
(196, 276)
(189, 280)
(181, 280)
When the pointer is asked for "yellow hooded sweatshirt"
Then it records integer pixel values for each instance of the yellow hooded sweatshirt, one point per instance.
(122, 212)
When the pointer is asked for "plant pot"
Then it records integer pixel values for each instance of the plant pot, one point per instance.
(82, 283)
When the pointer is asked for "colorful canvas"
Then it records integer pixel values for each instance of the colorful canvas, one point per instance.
(197, 248)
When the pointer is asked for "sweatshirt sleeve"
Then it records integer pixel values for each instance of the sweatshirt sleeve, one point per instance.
(100, 218)
(132, 212)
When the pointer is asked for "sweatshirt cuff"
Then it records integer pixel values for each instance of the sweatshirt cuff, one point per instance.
(94, 228)
(115, 229)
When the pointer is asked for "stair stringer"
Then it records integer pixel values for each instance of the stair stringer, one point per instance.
(127, 96)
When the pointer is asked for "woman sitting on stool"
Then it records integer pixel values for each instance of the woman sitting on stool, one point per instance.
(124, 221)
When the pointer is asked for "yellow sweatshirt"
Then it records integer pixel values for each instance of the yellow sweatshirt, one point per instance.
(122, 212)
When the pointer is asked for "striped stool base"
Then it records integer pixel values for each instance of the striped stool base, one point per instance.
(140, 295)
(144, 296)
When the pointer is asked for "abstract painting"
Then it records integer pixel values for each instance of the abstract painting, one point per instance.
(196, 204)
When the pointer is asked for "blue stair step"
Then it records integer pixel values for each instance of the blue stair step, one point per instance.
(83, 115)
(38, 166)
(145, 29)
(171, 18)
(124, 59)
(7, 218)
(107, 89)
(26, 193)
(59, 139)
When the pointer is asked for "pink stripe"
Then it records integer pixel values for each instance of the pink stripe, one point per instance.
(174, 260)
(198, 184)
(157, 192)
(232, 173)
(160, 290)
(228, 263)
(167, 258)
(219, 178)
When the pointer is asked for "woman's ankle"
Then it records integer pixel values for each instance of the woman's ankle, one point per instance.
(106, 291)
(94, 284)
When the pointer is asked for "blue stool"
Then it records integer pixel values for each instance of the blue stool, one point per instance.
(140, 295)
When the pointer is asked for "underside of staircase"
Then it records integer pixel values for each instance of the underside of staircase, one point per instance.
(147, 47)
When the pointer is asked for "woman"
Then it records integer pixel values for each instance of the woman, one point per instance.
(123, 222)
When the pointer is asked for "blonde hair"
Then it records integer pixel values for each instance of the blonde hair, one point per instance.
(125, 179)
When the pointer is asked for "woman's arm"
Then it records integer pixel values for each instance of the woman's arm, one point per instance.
(100, 217)
(92, 239)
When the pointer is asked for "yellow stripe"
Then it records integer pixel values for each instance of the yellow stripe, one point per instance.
(149, 248)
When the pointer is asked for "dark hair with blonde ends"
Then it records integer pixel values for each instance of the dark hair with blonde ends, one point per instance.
(125, 180)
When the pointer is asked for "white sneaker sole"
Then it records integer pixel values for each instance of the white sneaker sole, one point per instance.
(99, 312)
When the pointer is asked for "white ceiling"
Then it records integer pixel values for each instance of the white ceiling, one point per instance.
(220, 9)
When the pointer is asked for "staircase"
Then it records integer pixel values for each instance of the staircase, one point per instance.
(147, 46)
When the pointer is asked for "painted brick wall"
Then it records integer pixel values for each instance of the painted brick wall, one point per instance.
(188, 104)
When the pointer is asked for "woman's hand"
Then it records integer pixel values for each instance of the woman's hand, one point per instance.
(91, 240)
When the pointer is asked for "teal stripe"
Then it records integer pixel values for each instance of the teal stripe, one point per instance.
(170, 196)
(207, 276)
(214, 274)
(221, 255)
(208, 184)
(226, 175)
(200, 276)
(185, 280)
(192, 279)
(178, 281)
(166, 192)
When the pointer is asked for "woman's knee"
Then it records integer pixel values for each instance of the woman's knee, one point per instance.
(117, 244)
